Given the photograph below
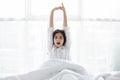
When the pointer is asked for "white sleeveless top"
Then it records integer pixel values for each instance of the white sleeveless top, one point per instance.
(62, 52)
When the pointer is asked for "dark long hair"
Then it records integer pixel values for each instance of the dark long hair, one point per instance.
(62, 32)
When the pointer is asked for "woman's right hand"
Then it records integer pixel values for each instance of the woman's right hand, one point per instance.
(56, 8)
(51, 24)
(59, 8)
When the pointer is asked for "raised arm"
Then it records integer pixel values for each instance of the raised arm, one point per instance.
(51, 24)
(64, 16)
(51, 27)
(68, 39)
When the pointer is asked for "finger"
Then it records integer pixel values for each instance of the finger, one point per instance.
(62, 4)
(59, 7)
(56, 8)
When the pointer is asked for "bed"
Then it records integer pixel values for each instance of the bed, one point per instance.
(55, 69)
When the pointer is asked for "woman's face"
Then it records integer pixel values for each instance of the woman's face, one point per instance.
(58, 40)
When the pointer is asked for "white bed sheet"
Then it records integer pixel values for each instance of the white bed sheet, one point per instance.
(55, 69)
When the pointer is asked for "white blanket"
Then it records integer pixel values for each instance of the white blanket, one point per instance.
(69, 75)
(55, 69)
(115, 75)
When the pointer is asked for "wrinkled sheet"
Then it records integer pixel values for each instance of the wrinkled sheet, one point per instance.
(115, 75)
(55, 69)
(70, 75)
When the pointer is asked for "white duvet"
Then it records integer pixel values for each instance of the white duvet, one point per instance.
(55, 69)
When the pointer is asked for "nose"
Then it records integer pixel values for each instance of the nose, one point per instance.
(58, 39)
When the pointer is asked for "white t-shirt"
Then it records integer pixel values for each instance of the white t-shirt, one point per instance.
(62, 52)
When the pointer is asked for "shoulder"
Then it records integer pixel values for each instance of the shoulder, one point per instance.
(50, 28)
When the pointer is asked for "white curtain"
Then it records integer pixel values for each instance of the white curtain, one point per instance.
(101, 9)
(22, 46)
(98, 42)
(12, 9)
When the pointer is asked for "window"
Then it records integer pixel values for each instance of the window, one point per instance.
(100, 9)
(42, 8)
(12, 8)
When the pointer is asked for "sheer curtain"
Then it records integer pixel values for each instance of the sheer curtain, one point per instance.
(102, 9)
(23, 35)
(13, 7)
(100, 35)
(97, 44)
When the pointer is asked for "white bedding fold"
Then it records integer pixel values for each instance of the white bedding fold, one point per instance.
(52, 68)
(69, 75)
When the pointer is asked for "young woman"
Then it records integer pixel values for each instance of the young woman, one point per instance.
(59, 40)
